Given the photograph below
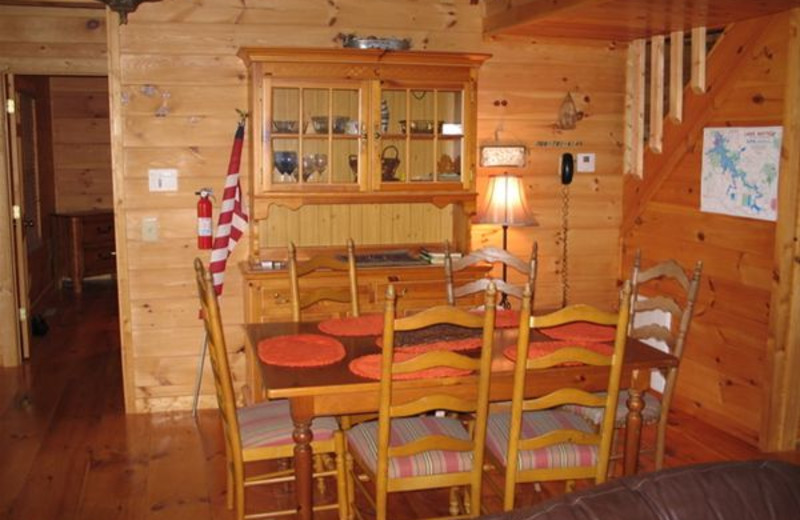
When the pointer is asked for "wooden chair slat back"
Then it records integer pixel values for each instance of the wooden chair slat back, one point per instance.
(448, 394)
(568, 395)
(309, 297)
(217, 349)
(488, 255)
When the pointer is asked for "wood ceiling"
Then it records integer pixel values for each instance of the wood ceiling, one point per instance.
(619, 20)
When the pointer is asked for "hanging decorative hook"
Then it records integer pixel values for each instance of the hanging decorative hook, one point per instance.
(123, 7)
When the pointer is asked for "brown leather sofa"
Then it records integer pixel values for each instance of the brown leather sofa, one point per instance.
(751, 490)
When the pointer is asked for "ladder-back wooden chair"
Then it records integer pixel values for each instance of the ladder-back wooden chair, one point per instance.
(537, 440)
(312, 295)
(261, 432)
(489, 255)
(666, 290)
(408, 448)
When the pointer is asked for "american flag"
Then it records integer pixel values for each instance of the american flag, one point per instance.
(232, 215)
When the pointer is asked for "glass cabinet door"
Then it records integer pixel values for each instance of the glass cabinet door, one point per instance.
(314, 136)
(422, 135)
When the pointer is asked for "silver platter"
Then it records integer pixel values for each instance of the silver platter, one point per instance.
(371, 42)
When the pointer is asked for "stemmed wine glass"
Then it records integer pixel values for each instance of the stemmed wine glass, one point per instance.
(320, 163)
(286, 164)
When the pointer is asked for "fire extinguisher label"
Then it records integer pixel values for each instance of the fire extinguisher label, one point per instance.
(204, 227)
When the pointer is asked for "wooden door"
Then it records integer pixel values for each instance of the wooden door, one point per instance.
(18, 284)
(36, 184)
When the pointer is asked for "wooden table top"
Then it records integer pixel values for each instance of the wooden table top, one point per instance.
(339, 387)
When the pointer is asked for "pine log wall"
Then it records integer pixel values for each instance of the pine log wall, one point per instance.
(188, 50)
(81, 143)
(723, 370)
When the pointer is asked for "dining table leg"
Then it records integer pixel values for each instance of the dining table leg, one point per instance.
(302, 435)
(633, 425)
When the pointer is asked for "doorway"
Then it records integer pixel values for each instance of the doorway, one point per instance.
(60, 142)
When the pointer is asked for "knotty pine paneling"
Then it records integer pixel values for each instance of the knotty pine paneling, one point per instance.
(189, 51)
(81, 143)
(52, 41)
(724, 362)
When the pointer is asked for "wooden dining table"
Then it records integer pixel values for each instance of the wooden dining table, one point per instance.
(334, 390)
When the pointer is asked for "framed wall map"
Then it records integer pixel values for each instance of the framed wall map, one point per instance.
(740, 171)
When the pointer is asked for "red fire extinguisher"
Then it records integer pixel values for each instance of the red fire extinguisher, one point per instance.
(204, 225)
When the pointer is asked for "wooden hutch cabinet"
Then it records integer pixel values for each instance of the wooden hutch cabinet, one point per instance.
(374, 145)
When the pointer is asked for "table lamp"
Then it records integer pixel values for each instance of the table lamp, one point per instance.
(506, 205)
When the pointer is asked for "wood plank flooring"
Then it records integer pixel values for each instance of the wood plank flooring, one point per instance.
(67, 450)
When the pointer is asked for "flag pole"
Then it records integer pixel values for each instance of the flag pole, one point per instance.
(230, 228)
(199, 378)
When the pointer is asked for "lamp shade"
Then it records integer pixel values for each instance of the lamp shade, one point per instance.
(505, 202)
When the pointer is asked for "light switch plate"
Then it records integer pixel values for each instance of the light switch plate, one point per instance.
(150, 229)
(163, 179)
(585, 162)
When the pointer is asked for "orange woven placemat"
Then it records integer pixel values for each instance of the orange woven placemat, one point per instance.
(543, 348)
(369, 325)
(504, 318)
(454, 345)
(369, 366)
(300, 350)
(581, 331)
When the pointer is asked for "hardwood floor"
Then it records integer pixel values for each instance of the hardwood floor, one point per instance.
(67, 450)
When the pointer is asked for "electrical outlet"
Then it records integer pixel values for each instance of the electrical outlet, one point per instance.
(585, 163)
(150, 229)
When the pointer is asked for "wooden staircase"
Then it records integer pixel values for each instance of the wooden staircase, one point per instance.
(648, 162)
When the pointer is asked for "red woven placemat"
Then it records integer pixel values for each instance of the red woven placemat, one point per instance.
(300, 350)
(542, 348)
(369, 366)
(454, 345)
(581, 331)
(504, 318)
(369, 325)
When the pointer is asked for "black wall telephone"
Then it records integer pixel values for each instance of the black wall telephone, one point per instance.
(567, 168)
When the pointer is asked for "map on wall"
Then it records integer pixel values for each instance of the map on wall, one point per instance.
(740, 171)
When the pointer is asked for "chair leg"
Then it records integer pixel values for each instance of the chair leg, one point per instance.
(319, 467)
(238, 482)
(229, 485)
(342, 492)
(661, 440)
(454, 501)
(351, 485)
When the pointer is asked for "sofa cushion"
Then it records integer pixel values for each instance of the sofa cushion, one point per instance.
(752, 490)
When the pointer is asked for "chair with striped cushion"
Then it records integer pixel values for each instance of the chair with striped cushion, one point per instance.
(409, 448)
(537, 440)
(662, 305)
(261, 432)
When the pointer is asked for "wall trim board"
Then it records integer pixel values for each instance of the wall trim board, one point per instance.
(779, 425)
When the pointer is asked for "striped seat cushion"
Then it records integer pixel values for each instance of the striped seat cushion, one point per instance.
(270, 424)
(594, 414)
(362, 440)
(538, 423)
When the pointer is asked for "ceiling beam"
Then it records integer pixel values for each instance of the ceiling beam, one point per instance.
(520, 14)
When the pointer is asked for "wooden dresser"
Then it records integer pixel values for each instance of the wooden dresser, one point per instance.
(84, 246)
(418, 287)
